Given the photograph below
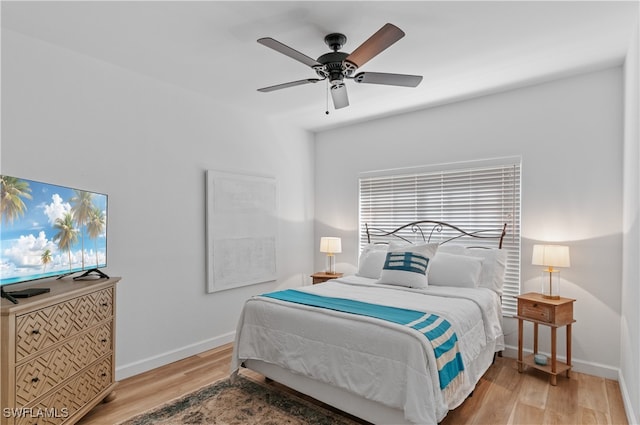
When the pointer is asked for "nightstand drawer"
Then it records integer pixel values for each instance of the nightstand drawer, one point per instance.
(556, 312)
(536, 311)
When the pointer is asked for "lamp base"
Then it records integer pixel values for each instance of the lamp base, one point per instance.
(331, 264)
(551, 284)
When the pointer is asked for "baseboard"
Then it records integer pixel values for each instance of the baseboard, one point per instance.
(582, 366)
(140, 366)
(626, 400)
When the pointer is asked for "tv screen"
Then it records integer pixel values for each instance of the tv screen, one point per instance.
(49, 231)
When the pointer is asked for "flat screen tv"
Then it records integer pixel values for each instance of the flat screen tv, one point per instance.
(49, 231)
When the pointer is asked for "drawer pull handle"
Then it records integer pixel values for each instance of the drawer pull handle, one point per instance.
(35, 379)
(103, 374)
(535, 305)
(104, 304)
(36, 332)
(103, 340)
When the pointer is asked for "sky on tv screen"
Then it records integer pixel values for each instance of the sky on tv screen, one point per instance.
(41, 234)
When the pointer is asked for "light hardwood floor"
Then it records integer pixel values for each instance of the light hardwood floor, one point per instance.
(503, 396)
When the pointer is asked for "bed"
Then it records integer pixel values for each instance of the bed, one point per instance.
(404, 340)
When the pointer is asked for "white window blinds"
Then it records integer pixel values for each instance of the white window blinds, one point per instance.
(473, 198)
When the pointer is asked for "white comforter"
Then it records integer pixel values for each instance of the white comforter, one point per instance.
(381, 361)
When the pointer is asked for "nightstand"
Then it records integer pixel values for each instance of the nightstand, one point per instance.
(324, 276)
(554, 313)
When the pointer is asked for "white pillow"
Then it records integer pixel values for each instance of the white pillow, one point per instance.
(493, 267)
(407, 265)
(372, 260)
(494, 264)
(455, 270)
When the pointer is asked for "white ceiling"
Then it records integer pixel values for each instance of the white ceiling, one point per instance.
(461, 48)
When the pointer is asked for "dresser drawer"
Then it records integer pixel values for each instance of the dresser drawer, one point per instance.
(67, 400)
(536, 311)
(43, 328)
(46, 371)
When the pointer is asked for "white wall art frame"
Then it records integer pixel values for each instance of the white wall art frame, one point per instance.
(241, 230)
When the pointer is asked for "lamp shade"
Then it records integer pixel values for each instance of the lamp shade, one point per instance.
(330, 245)
(551, 255)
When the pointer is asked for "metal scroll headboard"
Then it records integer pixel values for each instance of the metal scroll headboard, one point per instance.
(426, 229)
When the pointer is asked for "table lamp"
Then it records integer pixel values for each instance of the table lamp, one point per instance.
(331, 246)
(551, 256)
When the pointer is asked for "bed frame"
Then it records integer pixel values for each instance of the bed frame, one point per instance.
(427, 229)
(352, 403)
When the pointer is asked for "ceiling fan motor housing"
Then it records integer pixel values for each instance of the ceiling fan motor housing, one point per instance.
(332, 67)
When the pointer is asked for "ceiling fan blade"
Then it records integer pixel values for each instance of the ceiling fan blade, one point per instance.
(388, 79)
(383, 38)
(288, 51)
(339, 96)
(290, 84)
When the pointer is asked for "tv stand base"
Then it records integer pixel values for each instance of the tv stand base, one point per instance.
(92, 274)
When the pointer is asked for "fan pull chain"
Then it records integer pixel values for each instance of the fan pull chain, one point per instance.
(327, 98)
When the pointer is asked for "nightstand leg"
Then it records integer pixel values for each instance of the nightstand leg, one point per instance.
(535, 338)
(520, 328)
(553, 355)
(569, 349)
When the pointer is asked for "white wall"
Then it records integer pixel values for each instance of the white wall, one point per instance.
(569, 135)
(630, 324)
(72, 120)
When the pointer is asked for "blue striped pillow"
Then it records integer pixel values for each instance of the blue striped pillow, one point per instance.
(407, 265)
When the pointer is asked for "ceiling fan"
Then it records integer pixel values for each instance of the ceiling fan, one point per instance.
(337, 66)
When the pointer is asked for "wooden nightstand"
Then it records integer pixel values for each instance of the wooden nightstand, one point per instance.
(324, 276)
(533, 307)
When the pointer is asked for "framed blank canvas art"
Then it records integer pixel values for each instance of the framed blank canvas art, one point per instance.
(241, 230)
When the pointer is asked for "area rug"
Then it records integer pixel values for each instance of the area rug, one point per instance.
(245, 402)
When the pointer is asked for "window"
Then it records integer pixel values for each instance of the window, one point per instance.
(473, 196)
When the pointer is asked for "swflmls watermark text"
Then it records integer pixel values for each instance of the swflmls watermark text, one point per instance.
(33, 412)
